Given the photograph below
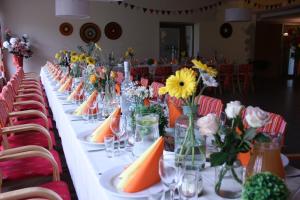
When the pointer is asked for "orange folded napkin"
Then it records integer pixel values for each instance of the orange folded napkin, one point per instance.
(174, 113)
(104, 129)
(146, 102)
(244, 158)
(75, 92)
(63, 80)
(66, 86)
(118, 89)
(143, 173)
(84, 107)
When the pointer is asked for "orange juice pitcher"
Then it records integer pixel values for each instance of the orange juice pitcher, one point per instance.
(266, 157)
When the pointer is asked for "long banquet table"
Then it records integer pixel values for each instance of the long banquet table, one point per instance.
(86, 167)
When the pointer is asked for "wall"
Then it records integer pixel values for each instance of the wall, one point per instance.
(140, 31)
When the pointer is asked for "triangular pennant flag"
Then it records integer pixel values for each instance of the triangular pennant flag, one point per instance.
(120, 2)
(168, 12)
(205, 7)
(220, 3)
(132, 6)
(151, 10)
(157, 11)
(186, 11)
(163, 12)
(210, 6)
(201, 9)
(191, 11)
(179, 12)
(145, 9)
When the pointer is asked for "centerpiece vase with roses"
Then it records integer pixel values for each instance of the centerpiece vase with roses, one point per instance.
(232, 140)
(184, 85)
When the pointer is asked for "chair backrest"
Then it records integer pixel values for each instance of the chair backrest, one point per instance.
(3, 113)
(138, 72)
(144, 82)
(175, 101)
(208, 105)
(7, 96)
(245, 68)
(156, 86)
(226, 69)
(163, 71)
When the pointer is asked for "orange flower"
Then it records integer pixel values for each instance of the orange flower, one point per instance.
(93, 79)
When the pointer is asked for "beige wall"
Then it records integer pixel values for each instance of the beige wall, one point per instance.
(140, 31)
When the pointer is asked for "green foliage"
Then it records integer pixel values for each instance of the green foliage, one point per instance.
(265, 186)
(157, 109)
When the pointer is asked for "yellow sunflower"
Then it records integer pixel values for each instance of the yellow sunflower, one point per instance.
(93, 78)
(82, 57)
(90, 60)
(199, 65)
(57, 56)
(212, 71)
(74, 59)
(181, 85)
(73, 53)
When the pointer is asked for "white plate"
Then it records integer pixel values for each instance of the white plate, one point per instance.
(285, 160)
(109, 181)
(70, 112)
(85, 138)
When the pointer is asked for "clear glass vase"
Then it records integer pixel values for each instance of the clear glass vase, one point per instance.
(229, 180)
(189, 144)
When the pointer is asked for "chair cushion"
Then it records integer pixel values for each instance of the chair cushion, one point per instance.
(39, 121)
(28, 167)
(32, 138)
(33, 107)
(60, 187)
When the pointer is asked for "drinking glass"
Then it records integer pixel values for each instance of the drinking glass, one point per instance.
(93, 110)
(169, 173)
(109, 142)
(189, 184)
(118, 127)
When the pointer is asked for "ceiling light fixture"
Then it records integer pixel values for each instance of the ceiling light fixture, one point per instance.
(72, 9)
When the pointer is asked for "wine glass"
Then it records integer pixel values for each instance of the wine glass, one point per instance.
(118, 127)
(169, 173)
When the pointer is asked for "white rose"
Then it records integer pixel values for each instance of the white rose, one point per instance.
(233, 109)
(256, 117)
(13, 41)
(25, 36)
(208, 125)
(6, 44)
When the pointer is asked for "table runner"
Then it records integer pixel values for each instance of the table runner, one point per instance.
(86, 167)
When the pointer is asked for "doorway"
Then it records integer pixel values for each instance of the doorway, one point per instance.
(176, 42)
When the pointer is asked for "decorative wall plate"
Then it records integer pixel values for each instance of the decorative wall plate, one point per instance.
(66, 29)
(226, 30)
(90, 32)
(113, 30)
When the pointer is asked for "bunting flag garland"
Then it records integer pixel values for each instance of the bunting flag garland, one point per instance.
(270, 4)
(202, 9)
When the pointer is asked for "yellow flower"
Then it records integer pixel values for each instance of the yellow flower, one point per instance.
(113, 74)
(181, 85)
(211, 71)
(82, 57)
(93, 78)
(90, 60)
(64, 51)
(73, 53)
(74, 59)
(199, 65)
(57, 56)
(162, 91)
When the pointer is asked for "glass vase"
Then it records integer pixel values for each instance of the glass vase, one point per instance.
(229, 180)
(189, 144)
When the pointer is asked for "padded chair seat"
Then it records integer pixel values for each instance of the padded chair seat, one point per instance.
(32, 138)
(60, 187)
(33, 107)
(39, 121)
(28, 167)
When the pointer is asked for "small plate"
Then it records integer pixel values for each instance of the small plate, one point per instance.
(85, 138)
(109, 181)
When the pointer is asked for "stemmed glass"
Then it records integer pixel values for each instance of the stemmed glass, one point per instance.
(169, 173)
(118, 127)
(93, 110)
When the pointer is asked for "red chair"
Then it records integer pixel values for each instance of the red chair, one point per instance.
(226, 77)
(245, 77)
(138, 72)
(208, 105)
(162, 73)
(175, 101)
(144, 82)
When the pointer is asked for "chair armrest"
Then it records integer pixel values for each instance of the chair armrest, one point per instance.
(31, 102)
(31, 192)
(27, 128)
(41, 99)
(26, 86)
(23, 149)
(30, 82)
(28, 154)
(30, 112)
(29, 90)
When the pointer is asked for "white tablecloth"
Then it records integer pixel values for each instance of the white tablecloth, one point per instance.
(86, 167)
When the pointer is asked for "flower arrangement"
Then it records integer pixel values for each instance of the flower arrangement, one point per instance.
(184, 85)
(137, 94)
(18, 46)
(92, 52)
(234, 139)
(129, 55)
(265, 186)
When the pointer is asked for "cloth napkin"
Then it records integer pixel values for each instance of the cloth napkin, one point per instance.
(63, 80)
(104, 129)
(66, 85)
(244, 158)
(83, 108)
(174, 113)
(118, 89)
(144, 172)
(75, 92)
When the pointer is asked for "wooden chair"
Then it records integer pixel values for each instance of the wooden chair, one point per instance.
(245, 77)
(226, 78)
(162, 73)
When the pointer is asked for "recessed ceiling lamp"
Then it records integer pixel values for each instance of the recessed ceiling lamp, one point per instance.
(72, 9)
(238, 15)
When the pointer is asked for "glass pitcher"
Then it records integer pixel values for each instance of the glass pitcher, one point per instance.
(266, 157)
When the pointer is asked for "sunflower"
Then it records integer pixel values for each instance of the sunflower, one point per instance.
(74, 59)
(199, 65)
(57, 56)
(82, 57)
(90, 60)
(93, 78)
(181, 85)
(73, 53)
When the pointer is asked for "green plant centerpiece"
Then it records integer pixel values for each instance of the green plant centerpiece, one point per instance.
(184, 85)
(265, 186)
(232, 140)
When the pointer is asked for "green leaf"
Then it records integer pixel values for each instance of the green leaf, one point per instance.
(218, 158)
(250, 134)
(260, 137)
